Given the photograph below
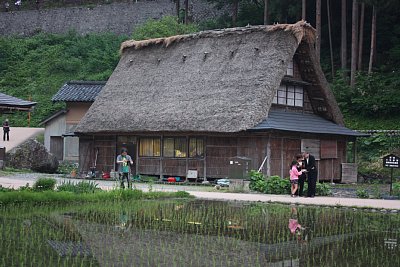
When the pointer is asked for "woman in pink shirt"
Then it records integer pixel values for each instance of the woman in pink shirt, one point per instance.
(294, 174)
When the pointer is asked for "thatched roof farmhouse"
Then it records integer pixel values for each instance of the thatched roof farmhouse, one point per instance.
(214, 90)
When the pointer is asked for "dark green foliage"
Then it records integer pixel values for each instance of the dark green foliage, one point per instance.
(36, 67)
(165, 27)
(396, 189)
(44, 184)
(362, 193)
(79, 188)
(270, 185)
(277, 185)
(323, 189)
(182, 194)
(66, 167)
(374, 97)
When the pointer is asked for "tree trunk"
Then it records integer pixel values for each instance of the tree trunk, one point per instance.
(178, 7)
(318, 28)
(303, 9)
(330, 36)
(361, 37)
(343, 46)
(186, 11)
(265, 12)
(373, 40)
(354, 46)
(235, 10)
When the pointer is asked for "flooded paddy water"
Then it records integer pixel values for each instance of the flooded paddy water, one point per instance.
(196, 233)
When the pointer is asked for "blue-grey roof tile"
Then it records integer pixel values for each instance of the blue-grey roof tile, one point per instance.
(302, 122)
(10, 101)
(79, 91)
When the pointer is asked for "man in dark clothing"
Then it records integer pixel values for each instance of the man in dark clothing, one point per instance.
(6, 130)
(312, 173)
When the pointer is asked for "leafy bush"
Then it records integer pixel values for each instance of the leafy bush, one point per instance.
(182, 194)
(270, 185)
(362, 193)
(257, 181)
(165, 27)
(396, 189)
(79, 188)
(66, 167)
(323, 189)
(44, 184)
(277, 185)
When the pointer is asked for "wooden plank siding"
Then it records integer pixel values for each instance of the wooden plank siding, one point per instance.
(281, 148)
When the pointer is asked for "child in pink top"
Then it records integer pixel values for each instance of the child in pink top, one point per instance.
(294, 174)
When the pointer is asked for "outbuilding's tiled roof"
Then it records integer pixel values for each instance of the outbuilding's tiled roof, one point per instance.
(10, 102)
(302, 122)
(79, 91)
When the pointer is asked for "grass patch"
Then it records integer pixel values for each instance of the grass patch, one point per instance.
(22, 197)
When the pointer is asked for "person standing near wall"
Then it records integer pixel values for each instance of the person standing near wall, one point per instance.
(124, 161)
(312, 173)
(6, 130)
(6, 6)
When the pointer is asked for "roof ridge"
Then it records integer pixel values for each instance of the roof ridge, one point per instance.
(300, 29)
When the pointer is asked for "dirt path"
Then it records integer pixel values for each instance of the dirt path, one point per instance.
(17, 180)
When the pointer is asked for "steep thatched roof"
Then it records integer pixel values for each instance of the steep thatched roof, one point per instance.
(212, 81)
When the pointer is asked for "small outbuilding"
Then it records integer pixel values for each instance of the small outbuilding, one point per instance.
(193, 102)
(59, 137)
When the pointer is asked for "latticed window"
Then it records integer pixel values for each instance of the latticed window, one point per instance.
(196, 147)
(289, 95)
(175, 147)
(150, 147)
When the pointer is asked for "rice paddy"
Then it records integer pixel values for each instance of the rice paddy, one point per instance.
(196, 233)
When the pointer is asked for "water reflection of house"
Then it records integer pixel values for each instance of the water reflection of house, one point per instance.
(193, 102)
(59, 136)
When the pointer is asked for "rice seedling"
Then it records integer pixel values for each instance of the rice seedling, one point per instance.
(140, 232)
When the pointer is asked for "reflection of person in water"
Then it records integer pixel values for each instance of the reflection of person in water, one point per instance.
(295, 227)
(124, 223)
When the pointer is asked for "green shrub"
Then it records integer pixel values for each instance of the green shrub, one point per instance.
(396, 189)
(323, 189)
(257, 181)
(44, 184)
(182, 194)
(66, 167)
(79, 188)
(362, 193)
(277, 185)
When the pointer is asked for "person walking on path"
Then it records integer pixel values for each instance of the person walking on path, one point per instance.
(312, 173)
(294, 174)
(124, 161)
(6, 130)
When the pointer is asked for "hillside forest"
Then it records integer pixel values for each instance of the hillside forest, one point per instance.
(358, 46)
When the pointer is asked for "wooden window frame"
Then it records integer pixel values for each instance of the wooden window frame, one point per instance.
(141, 141)
(184, 152)
(289, 93)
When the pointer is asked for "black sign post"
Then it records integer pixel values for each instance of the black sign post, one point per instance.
(391, 161)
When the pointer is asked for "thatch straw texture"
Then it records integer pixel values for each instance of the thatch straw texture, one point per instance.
(214, 81)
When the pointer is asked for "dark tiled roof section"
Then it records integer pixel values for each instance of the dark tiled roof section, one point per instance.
(79, 91)
(10, 101)
(302, 122)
